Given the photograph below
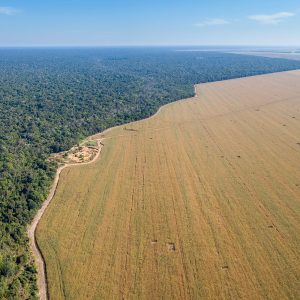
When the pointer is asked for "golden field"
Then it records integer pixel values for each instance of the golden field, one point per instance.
(200, 201)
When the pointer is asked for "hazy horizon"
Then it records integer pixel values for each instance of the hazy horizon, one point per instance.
(261, 47)
(135, 23)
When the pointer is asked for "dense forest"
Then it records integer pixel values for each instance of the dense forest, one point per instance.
(52, 98)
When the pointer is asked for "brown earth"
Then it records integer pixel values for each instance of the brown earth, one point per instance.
(200, 201)
(31, 231)
(287, 55)
(78, 154)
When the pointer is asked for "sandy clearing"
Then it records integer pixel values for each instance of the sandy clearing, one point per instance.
(291, 55)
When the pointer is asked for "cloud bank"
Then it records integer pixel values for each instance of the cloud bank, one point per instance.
(271, 19)
(5, 10)
(212, 22)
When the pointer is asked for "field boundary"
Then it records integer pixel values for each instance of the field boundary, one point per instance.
(38, 256)
(31, 231)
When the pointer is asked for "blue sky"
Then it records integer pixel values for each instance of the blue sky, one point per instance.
(149, 22)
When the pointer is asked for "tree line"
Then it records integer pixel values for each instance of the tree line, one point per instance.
(50, 99)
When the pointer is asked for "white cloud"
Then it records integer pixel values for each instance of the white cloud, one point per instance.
(5, 10)
(212, 22)
(271, 19)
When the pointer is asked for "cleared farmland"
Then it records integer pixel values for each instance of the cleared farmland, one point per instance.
(200, 201)
(288, 55)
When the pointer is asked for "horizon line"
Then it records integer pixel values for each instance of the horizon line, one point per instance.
(147, 45)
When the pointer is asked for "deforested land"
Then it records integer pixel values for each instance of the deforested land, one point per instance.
(199, 201)
(51, 99)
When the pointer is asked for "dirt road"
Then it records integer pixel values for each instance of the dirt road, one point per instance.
(40, 263)
(39, 259)
(199, 201)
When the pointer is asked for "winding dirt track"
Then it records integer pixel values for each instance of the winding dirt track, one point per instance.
(39, 259)
(38, 256)
(199, 201)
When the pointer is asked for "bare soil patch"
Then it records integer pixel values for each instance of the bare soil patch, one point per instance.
(213, 180)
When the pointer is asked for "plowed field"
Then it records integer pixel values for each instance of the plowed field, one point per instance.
(200, 201)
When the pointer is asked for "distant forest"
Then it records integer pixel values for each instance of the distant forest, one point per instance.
(50, 99)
